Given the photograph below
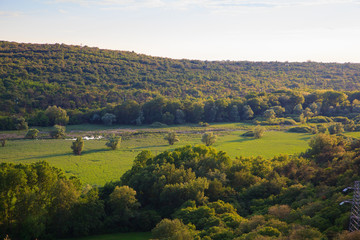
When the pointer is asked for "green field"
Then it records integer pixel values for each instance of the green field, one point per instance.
(117, 236)
(98, 165)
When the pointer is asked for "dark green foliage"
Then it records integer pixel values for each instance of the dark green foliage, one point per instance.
(113, 142)
(206, 193)
(123, 205)
(247, 113)
(40, 81)
(13, 123)
(58, 131)
(32, 133)
(77, 146)
(336, 128)
(56, 115)
(127, 112)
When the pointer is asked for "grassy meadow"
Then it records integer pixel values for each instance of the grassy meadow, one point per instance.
(98, 164)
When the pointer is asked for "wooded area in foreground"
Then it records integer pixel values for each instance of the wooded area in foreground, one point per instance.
(194, 192)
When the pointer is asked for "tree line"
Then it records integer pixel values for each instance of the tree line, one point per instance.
(192, 192)
(280, 107)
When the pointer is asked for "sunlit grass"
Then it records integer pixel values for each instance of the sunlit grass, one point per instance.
(98, 164)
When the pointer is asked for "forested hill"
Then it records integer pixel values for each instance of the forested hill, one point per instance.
(34, 76)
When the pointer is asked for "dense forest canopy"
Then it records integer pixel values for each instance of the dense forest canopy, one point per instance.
(35, 76)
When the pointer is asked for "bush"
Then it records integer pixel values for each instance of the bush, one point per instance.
(172, 138)
(58, 132)
(77, 146)
(32, 133)
(336, 128)
(57, 115)
(203, 124)
(259, 131)
(7, 123)
(321, 128)
(305, 129)
(319, 119)
(341, 119)
(208, 138)
(113, 142)
(172, 229)
(287, 121)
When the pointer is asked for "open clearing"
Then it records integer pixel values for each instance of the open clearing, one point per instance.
(98, 164)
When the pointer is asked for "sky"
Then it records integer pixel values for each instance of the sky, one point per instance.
(238, 30)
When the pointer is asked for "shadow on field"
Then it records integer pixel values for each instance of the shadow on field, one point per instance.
(47, 156)
(153, 146)
(242, 139)
(306, 138)
(95, 151)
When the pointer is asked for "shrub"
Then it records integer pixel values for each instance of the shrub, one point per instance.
(172, 229)
(77, 146)
(336, 128)
(287, 121)
(203, 124)
(305, 129)
(113, 142)
(58, 132)
(208, 138)
(341, 119)
(172, 138)
(321, 128)
(269, 231)
(319, 119)
(32, 133)
(259, 131)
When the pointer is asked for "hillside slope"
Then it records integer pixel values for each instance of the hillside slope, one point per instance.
(34, 76)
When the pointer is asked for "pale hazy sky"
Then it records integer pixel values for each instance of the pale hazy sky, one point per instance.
(255, 30)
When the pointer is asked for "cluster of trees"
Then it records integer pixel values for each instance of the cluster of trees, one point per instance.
(34, 76)
(280, 107)
(191, 193)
